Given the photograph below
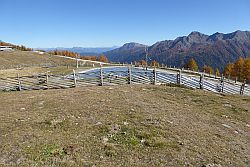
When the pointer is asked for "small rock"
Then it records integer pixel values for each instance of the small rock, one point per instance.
(226, 126)
(105, 140)
(98, 123)
(125, 123)
(171, 122)
(23, 109)
(247, 125)
(239, 131)
(212, 165)
(224, 116)
(41, 103)
(143, 141)
(227, 105)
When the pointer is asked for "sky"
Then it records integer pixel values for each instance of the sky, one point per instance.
(105, 23)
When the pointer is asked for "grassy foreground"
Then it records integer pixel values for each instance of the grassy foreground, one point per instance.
(124, 126)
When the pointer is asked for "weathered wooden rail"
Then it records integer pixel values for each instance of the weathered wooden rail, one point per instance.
(122, 76)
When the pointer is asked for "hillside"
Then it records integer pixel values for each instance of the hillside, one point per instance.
(17, 58)
(127, 53)
(215, 50)
(32, 63)
(124, 126)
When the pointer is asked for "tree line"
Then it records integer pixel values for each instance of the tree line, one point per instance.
(21, 47)
(192, 65)
(154, 63)
(239, 70)
(67, 53)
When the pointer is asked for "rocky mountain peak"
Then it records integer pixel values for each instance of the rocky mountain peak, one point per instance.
(132, 45)
(196, 37)
(215, 50)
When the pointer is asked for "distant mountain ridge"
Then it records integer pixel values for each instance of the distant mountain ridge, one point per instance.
(215, 50)
(82, 50)
(127, 53)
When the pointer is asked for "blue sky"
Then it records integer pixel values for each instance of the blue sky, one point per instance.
(99, 23)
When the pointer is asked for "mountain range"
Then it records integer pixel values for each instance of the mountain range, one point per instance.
(215, 50)
(82, 50)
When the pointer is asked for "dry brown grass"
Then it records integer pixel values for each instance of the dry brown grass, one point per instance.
(27, 63)
(30, 71)
(14, 59)
(124, 126)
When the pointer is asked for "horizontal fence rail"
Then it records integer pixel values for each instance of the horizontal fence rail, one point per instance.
(122, 76)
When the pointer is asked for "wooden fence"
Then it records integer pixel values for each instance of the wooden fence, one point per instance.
(121, 76)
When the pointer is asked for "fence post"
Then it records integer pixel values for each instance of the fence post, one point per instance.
(101, 76)
(179, 77)
(74, 75)
(154, 77)
(201, 81)
(19, 83)
(222, 84)
(242, 88)
(47, 80)
(129, 75)
(77, 63)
